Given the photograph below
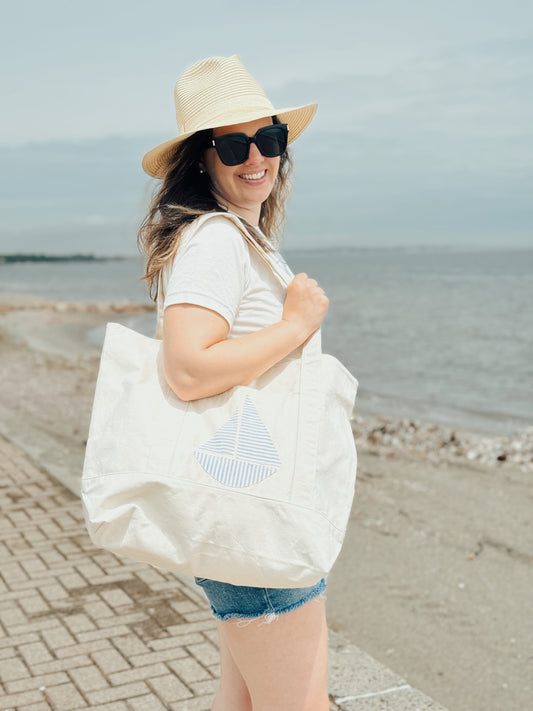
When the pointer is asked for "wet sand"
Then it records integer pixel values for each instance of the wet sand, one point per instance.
(436, 573)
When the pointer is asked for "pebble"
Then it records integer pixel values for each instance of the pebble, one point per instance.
(389, 436)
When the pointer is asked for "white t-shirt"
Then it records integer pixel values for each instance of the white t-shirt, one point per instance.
(217, 269)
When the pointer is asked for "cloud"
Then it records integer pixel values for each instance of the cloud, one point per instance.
(470, 105)
(350, 188)
(438, 148)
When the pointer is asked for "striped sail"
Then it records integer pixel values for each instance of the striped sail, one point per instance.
(241, 452)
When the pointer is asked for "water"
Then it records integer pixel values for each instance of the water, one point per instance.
(441, 335)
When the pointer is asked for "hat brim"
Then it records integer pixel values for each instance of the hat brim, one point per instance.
(156, 161)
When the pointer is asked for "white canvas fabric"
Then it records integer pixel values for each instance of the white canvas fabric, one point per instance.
(251, 487)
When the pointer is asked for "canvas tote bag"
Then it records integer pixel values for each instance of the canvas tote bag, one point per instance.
(251, 487)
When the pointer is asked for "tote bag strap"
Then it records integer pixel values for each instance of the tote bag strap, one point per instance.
(312, 348)
(278, 272)
(311, 400)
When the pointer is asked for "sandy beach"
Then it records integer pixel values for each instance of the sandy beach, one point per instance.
(436, 573)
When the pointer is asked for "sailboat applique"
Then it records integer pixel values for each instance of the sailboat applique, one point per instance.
(241, 452)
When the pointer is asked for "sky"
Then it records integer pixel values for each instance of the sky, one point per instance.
(424, 133)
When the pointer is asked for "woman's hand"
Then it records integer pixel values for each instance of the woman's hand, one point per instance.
(306, 304)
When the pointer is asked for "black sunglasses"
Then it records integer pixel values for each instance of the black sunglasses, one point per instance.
(234, 148)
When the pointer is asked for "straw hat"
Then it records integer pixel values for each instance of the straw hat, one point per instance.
(218, 91)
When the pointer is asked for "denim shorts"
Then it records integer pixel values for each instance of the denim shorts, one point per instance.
(238, 601)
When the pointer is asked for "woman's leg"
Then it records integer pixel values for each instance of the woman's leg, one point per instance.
(283, 663)
(232, 694)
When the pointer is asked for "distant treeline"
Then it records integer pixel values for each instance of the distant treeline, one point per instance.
(11, 258)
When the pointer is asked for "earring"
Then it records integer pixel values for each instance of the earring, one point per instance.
(202, 171)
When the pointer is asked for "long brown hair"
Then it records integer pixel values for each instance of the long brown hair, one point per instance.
(184, 194)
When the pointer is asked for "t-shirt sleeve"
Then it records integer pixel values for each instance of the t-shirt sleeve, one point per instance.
(211, 269)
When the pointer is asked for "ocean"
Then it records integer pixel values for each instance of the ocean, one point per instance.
(440, 335)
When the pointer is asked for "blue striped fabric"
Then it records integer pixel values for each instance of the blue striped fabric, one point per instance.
(255, 443)
(241, 452)
(225, 437)
(233, 472)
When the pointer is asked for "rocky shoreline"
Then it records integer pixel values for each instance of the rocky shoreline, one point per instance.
(18, 302)
(386, 436)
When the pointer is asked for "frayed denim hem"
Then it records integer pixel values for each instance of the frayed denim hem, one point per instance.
(242, 620)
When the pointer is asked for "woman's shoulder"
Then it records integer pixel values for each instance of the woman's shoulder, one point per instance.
(217, 229)
(219, 221)
(212, 239)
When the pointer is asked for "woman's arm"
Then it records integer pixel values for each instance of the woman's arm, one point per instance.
(201, 361)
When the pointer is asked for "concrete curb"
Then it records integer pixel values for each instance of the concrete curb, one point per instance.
(357, 682)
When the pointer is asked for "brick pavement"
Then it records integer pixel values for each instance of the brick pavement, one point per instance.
(83, 629)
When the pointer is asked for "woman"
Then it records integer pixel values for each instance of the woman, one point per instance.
(227, 321)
